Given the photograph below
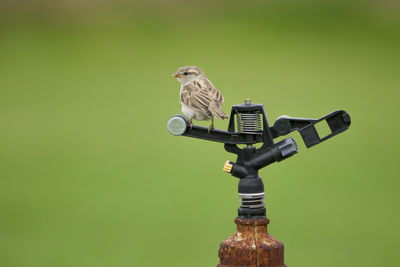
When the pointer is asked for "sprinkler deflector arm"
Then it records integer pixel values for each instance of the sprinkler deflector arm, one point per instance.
(338, 122)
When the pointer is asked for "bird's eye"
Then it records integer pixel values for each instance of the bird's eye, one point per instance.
(185, 73)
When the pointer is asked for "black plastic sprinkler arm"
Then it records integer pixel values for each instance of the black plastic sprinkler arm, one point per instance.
(338, 122)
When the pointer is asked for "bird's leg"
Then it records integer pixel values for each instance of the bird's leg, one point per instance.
(212, 125)
(190, 124)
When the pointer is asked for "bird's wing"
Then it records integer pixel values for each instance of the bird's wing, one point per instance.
(196, 98)
(214, 93)
(203, 97)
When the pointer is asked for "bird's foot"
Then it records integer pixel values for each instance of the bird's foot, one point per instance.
(190, 124)
(210, 128)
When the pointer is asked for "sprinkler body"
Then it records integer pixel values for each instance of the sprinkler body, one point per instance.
(251, 245)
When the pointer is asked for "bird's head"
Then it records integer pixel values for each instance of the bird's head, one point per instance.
(187, 74)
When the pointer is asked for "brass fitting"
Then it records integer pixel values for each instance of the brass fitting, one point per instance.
(228, 166)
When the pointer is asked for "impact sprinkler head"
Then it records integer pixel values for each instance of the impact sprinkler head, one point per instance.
(248, 125)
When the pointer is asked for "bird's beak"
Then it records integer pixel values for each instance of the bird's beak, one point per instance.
(176, 75)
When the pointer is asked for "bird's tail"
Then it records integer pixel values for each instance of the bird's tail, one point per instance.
(217, 112)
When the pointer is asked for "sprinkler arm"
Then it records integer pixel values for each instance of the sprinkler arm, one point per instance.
(338, 122)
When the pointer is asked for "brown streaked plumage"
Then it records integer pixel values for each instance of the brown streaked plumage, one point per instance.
(199, 97)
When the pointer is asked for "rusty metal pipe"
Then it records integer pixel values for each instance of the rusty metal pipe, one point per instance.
(251, 246)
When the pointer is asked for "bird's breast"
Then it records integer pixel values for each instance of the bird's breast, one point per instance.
(191, 113)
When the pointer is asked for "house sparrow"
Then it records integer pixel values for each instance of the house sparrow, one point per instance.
(199, 97)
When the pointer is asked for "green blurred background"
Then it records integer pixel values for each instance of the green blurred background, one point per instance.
(89, 175)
